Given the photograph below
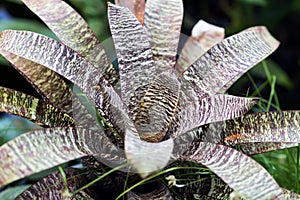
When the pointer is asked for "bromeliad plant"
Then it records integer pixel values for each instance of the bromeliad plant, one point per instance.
(150, 112)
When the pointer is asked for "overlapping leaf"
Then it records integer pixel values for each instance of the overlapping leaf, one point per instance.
(42, 149)
(229, 59)
(29, 107)
(73, 31)
(163, 24)
(137, 7)
(239, 171)
(203, 37)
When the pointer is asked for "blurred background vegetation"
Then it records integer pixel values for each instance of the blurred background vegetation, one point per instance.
(282, 68)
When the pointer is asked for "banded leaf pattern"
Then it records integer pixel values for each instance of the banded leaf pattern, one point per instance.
(228, 59)
(47, 83)
(23, 105)
(73, 31)
(38, 150)
(163, 24)
(137, 7)
(203, 37)
(239, 171)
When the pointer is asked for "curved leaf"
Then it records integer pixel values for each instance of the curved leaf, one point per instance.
(203, 37)
(281, 126)
(73, 31)
(133, 50)
(42, 149)
(239, 171)
(47, 83)
(137, 7)
(229, 59)
(220, 107)
(23, 105)
(163, 24)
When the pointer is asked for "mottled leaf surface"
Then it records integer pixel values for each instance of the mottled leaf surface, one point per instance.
(239, 171)
(203, 37)
(73, 31)
(29, 107)
(229, 59)
(42, 149)
(137, 7)
(163, 24)
(280, 126)
(47, 83)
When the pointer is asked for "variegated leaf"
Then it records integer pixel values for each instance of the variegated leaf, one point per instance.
(134, 53)
(23, 105)
(73, 31)
(137, 7)
(280, 126)
(68, 63)
(193, 114)
(47, 83)
(42, 149)
(203, 37)
(229, 59)
(163, 24)
(239, 171)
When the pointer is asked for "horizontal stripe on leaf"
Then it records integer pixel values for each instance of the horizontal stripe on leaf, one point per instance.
(73, 31)
(29, 107)
(239, 171)
(203, 37)
(38, 150)
(163, 24)
(229, 59)
(137, 7)
(47, 83)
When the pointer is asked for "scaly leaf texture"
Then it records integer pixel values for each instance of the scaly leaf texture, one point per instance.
(53, 186)
(193, 114)
(280, 126)
(229, 59)
(239, 171)
(137, 7)
(70, 64)
(73, 31)
(203, 37)
(163, 24)
(47, 83)
(38, 150)
(153, 110)
(29, 107)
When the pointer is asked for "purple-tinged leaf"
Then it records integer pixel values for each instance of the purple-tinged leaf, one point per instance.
(135, 58)
(29, 107)
(163, 24)
(203, 37)
(280, 126)
(73, 31)
(47, 83)
(239, 171)
(137, 7)
(193, 114)
(42, 149)
(229, 59)
(68, 63)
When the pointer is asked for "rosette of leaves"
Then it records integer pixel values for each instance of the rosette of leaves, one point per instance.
(149, 112)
